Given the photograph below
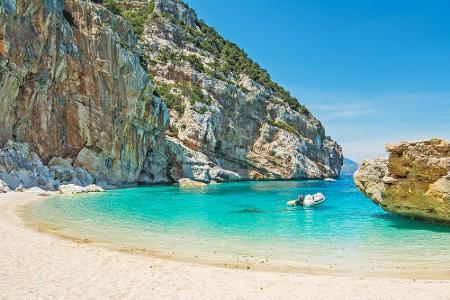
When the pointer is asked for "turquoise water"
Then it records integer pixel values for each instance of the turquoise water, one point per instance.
(250, 220)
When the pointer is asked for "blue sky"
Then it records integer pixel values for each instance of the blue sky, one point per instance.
(372, 71)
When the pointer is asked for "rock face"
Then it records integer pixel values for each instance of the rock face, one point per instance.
(413, 182)
(77, 104)
(72, 86)
(228, 120)
(19, 166)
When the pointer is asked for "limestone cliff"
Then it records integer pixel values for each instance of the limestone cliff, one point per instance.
(72, 86)
(413, 182)
(84, 91)
(228, 119)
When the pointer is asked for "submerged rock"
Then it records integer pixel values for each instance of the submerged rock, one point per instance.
(413, 182)
(252, 210)
(188, 183)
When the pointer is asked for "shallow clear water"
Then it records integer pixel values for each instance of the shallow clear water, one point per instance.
(251, 219)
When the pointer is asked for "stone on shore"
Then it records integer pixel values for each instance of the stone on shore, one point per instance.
(414, 182)
(94, 189)
(20, 166)
(20, 189)
(76, 189)
(4, 188)
(71, 189)
(189, 183)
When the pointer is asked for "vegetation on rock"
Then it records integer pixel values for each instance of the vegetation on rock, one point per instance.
(136, 15)
(283, 125)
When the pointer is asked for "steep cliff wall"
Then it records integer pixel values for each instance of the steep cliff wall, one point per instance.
(77, 104)
(413, 182)
(226, 108)
(71, 85)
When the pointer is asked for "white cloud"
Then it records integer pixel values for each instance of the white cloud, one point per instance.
(342, 110)
(364, 124)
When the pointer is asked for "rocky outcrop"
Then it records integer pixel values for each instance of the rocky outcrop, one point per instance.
(19, 166)
(413, 182)
(71, 85)
(226, 115)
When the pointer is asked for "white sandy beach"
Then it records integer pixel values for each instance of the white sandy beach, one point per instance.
(38, 265)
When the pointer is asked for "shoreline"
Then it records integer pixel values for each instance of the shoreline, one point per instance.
(17, 237)
(240, 262)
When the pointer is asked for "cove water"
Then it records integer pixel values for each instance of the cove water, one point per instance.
(249, 222)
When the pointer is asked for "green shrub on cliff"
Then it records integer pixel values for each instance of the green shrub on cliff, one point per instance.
(233, 60)
(164, 91)
(136, 15)
(193, 92)
(173, 94)
(113, 6)
(283, 125)
(195, 63)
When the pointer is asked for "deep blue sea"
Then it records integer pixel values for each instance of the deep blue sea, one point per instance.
(235, 221)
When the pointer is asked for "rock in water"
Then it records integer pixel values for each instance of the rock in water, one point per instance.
(188, 183)
(413, 182)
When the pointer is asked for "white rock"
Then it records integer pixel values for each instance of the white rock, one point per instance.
(20, 189)
(4, 188)
(189, 183)
(94, 189)
(71, 189)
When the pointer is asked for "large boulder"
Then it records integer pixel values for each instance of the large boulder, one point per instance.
(4, 188)
(76, 189)
(64, 172)
(188, 183)
(413, 182)
(19, 165)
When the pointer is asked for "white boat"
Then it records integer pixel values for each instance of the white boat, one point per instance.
(329, 179)
(309, 200)
(313, 200)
